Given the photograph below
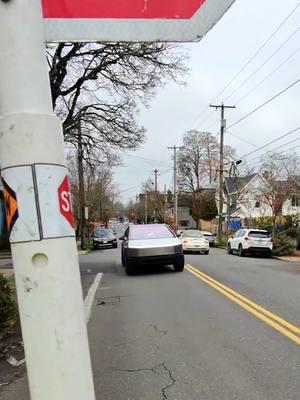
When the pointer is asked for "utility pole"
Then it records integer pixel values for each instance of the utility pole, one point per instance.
(146, 207)
(42, 235)
(81, 189)
(165, 202)
(155, 182)
(221, 168)
(175, 148)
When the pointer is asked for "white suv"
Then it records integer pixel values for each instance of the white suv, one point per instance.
(250, 241)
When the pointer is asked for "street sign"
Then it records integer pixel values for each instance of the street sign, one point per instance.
(11, 205)
(55, 201)
(37, 202)
(131, 20)
(65, 201)
(20, 204)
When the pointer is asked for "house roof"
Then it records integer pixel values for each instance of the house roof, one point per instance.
(234, 184)
(185, 200)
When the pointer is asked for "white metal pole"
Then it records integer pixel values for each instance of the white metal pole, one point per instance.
(47, 271)
(175, 189)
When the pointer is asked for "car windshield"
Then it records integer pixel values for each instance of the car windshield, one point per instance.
(150, 232)
(259, 234)
(196, 234)
(103, 232)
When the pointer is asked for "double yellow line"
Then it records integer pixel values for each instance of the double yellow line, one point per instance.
(273, 320)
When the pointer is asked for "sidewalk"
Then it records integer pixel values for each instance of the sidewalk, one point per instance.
(293, 258)
(289, 258)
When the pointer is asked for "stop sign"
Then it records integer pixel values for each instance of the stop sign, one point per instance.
(174, 9)
(131, 20)
(65, 201)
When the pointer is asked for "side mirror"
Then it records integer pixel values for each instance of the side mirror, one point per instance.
(122, 238)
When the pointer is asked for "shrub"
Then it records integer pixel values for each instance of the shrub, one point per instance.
(298, 239)
(8, 303)
(263, 223)
(291, 232)
(222, 242)
(283, 245)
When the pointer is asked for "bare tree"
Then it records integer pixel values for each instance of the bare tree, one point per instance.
(100, 86)
(280, 182)
(100, 192)
(199, 159)
(204, 207)
(155, 204)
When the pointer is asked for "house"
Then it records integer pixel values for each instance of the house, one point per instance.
(243, 197)
(185, 204)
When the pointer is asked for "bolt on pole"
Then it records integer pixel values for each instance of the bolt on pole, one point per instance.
(42, 228)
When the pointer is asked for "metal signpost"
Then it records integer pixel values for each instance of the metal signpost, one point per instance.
(35, 182)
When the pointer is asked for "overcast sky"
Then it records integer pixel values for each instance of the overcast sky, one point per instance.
(214, 62)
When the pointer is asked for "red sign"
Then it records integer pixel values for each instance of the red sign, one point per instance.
(65, 201)
(131, 20)
(122, 9)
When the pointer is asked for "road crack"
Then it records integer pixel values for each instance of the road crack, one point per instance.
(154, 370)
(172, 379)
(158, 330)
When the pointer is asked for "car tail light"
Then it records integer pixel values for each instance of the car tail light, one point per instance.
(247, 238)
(185, 242)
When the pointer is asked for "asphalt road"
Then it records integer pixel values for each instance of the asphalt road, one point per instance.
(164, 335)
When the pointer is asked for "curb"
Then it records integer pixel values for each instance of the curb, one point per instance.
(290, 259)
(82, 252)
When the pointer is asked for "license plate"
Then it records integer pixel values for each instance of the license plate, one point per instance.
(259, 242)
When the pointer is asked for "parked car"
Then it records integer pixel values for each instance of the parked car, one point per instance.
(193, 240)
(104, 238)
(210, 237)
(151, 244)
(250, 241)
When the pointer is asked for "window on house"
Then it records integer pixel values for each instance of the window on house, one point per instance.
(184, 223)
(257, 204)
(295, 201)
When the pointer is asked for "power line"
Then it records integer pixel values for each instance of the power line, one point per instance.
(240, 138)
(261, 47)
(268, 76)
(269, 143)
(263, 64)
(250, 59)
(150, 159)
(265, 103)
(129, 189)
(166, 171)
(276, 148)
